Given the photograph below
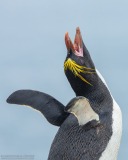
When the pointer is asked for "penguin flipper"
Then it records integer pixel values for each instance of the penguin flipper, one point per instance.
(51, 108)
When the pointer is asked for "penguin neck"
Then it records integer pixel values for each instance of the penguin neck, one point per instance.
(96, 93)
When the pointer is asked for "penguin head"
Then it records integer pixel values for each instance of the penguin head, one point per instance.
(78, 66)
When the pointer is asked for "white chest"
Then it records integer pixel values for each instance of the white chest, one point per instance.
(112, 148)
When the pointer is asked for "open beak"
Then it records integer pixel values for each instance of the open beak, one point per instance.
(77, 47)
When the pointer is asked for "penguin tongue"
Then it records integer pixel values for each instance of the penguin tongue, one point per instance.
(77, 47)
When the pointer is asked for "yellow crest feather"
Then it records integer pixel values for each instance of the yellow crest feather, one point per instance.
(77, 69)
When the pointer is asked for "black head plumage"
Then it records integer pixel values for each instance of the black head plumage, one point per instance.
(79, 67)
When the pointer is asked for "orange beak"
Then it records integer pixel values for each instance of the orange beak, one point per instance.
(77, 47)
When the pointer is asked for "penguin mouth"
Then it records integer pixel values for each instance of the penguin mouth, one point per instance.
(77, 47)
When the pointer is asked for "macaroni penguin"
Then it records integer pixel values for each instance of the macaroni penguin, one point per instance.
(90, 125)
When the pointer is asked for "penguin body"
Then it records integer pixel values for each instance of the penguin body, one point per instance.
(98, 139)
(80, 139)
(90, 125)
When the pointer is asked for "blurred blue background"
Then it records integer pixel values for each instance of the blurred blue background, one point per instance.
(32, 52)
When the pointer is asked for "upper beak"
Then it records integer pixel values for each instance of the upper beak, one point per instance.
(78, 43)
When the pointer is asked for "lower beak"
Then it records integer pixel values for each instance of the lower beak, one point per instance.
(69, 43)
